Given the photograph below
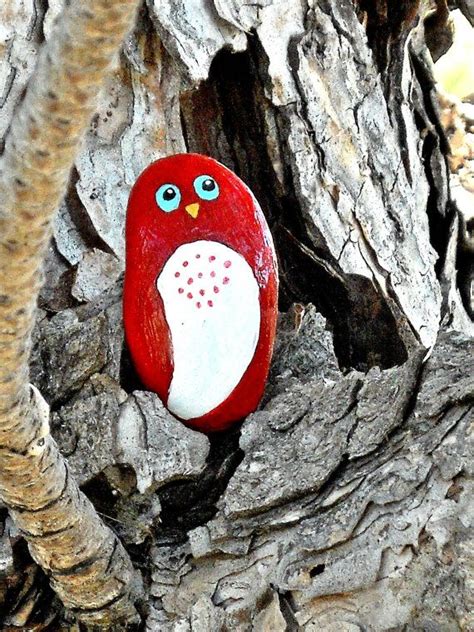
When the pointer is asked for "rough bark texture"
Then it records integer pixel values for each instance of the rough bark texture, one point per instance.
(343, 503)
(87, 565)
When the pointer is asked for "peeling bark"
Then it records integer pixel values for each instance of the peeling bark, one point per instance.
(87, 565)
(343, 502)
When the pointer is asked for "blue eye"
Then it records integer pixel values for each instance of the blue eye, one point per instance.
(168, 197)
(206, 187)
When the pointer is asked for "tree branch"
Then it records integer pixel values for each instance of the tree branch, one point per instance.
(88, 566)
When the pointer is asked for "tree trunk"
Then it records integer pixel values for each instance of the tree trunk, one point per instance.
(88, 566)
(342, 503)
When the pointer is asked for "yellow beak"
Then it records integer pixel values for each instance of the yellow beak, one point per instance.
(193, 209)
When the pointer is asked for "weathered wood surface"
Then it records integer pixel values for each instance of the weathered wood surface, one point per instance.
(343, 503)
(87, 565)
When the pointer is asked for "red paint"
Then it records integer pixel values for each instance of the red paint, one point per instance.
(233, 219)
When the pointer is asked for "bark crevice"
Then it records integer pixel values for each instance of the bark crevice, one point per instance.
(343, 501)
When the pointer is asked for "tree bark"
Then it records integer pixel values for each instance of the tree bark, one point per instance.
(342, 503)
(87, 565)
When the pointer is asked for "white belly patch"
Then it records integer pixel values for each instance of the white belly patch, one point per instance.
(211, 302)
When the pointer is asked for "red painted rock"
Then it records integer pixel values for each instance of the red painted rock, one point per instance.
(200, 296)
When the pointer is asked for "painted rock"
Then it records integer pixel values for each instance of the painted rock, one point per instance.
(201, 286)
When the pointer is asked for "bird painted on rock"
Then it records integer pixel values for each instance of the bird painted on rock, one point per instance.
(201, 289)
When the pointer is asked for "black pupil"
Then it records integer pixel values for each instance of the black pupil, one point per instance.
(209, 184)
(169, 194)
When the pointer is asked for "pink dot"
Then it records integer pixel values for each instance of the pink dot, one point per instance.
(210, 303)
(200, 275)
(176, 274)
(202, 292)
(212, 258)
(180, 290)
(216, 290)
(198, 304)
(189, 295)
(225, 280)
(213, 274)
(198, 256)
(227, 264)
(190, 281)
(185, 263)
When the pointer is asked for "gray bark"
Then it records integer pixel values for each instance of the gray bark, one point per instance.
(87, 565)
(341, 504)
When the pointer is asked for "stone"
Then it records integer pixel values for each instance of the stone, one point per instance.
(200, 300)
